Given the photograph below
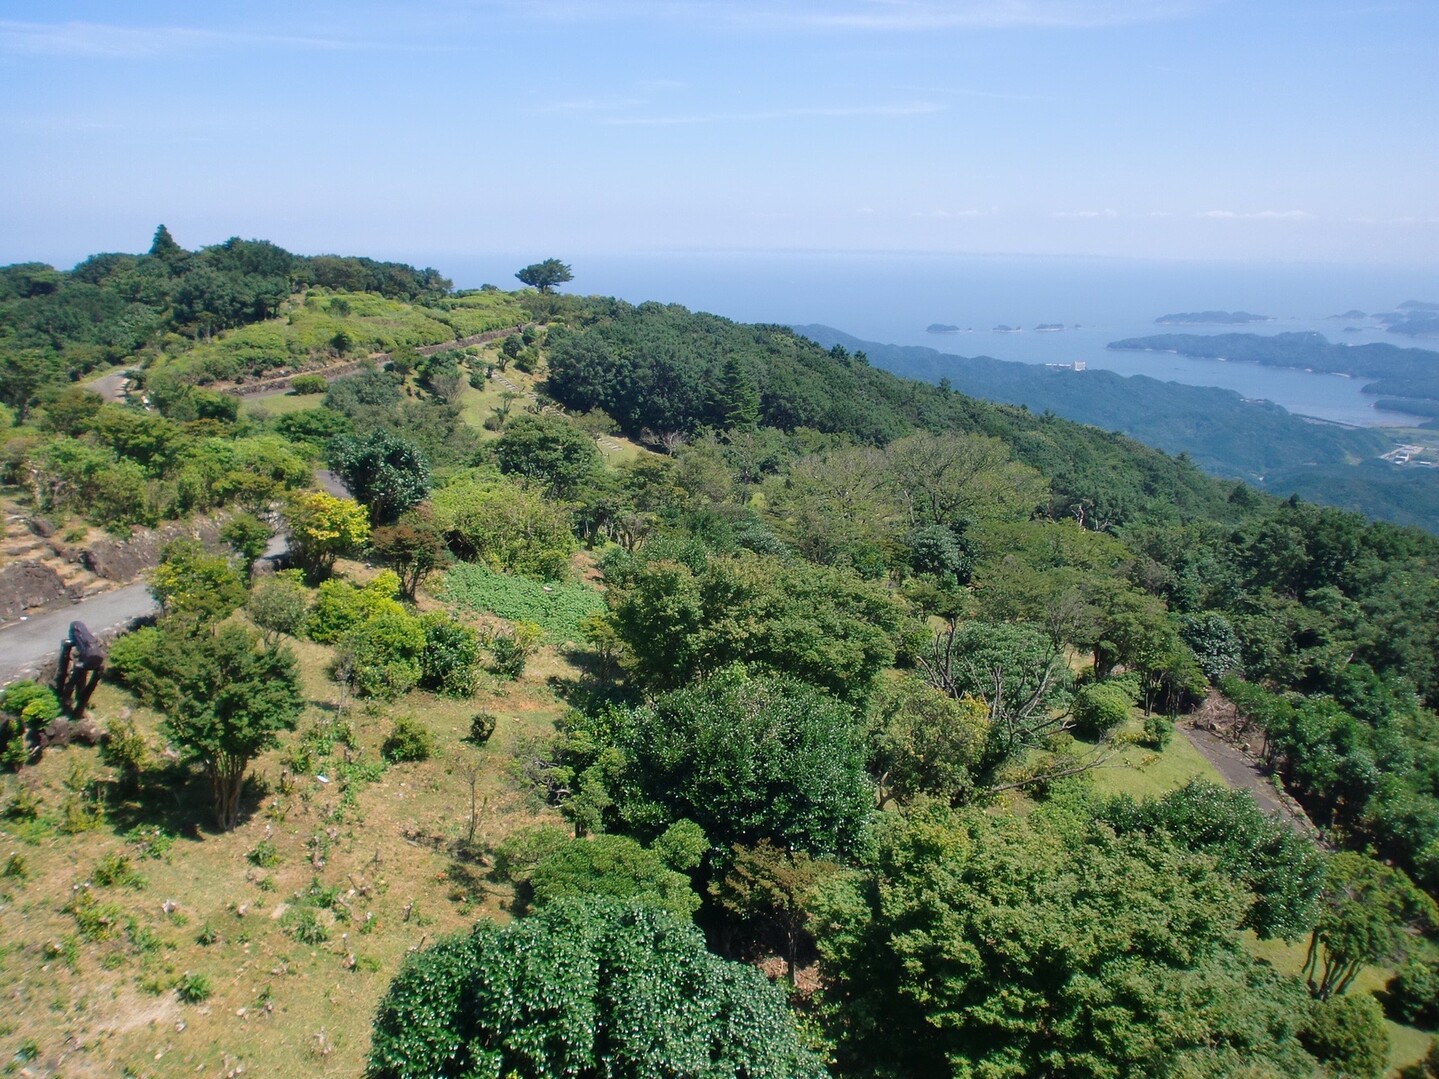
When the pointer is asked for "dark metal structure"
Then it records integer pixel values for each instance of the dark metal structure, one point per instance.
(82, 660)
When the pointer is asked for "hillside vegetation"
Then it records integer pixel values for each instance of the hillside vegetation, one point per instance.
(675, 696)
(1224, 434)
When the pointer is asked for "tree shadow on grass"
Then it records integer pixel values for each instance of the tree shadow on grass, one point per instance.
(175, 799)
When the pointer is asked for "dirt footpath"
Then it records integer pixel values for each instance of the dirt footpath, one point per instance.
(1242, 773)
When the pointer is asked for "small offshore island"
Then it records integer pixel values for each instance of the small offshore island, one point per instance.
(1211, 318)
(946, 327)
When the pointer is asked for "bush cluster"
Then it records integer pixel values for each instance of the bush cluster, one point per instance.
(383, 650)
(409, 740)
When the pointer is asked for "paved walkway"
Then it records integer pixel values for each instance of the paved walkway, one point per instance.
(1240, 772)
(28, 644)
(111, 386)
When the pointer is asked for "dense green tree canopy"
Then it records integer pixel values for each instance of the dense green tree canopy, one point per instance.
(1014, 670)
(546, 451)
(322, 528)
(191, 584)
(745, 758)
(1366, 913)
(490, 519)
(224, 700)
(826, 626)
(923, 742)
(413, 548)
(1282, 870)
(384, 472)
(614, 866)
(585, 989)
(999, 946)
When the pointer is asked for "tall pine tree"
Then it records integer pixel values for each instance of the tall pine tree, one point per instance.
(738, 398)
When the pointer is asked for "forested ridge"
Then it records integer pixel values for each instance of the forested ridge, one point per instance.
(654, 651)
(1225, 434)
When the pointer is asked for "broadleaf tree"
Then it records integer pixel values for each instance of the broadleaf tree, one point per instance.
(323, 527)
(383, 471)
(545, 275)
(225, 701)
(586, 989)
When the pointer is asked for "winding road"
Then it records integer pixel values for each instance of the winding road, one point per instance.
(29, 644)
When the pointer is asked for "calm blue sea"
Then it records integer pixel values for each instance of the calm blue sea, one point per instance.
(892, 298)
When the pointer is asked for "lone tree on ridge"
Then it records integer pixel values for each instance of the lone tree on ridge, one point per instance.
(546, 275)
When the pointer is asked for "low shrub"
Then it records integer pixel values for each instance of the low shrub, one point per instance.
(341, 606)
(409, 740)
(24, 707)
(1158, 731)
(511, 650)
(134, 659)
(124, 749)
(1347, 1033)
(193, 988)
(34, 703)
(115, 869)
(449, 665)
(482, 727)
(384, 654)
(303, 385)
(263, 854)
(1412, 994)
(1099, 707)
(304, 924)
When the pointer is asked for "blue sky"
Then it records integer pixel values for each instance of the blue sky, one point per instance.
(1289, 130)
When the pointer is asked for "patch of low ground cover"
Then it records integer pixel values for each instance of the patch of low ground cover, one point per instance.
(137, 941)
(479, 311)
(1142, 770)
(260, 406)
(557, 608)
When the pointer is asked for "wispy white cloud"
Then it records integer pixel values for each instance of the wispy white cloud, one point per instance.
(1402, 220)
(819, 112)
(1255, 215)
(1085, 214)
(944, 215)
(863, 15)
(994, 14)
(103, 40)
(593, 106)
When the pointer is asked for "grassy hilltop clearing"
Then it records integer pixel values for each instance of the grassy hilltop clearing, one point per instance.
(646, 693)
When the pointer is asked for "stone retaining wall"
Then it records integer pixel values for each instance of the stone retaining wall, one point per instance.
(334, 371)
(27, 585)
(124, 560)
